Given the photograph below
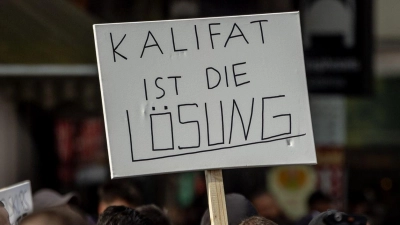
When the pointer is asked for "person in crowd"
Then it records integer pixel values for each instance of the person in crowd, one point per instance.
(57, 215)
(359, 204)
(118, 193)
(155, 214)
(4, 217)
(267, 207)
(333, 217)
(238, 208)
(47, 198)
(122, 215)
(257, 220)
(317, 202)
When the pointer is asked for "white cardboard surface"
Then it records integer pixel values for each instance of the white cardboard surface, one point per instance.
(163, 107)
(17, 200)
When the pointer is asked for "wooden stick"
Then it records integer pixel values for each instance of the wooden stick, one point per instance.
(216, 197)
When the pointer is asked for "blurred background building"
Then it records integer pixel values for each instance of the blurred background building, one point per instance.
(51, 122)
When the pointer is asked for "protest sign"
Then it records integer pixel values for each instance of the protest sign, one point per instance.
(17, 199)
(202, 94)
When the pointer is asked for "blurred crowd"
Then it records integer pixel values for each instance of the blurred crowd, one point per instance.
(120, 203)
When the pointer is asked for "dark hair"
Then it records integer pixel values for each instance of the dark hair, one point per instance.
(122, 189)
(121, 215)
(155, 214)
(257, 220)
(2, 204)
(317, 197)
(257, 194)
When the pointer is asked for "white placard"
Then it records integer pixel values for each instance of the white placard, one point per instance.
(204, 94)
(17, 200)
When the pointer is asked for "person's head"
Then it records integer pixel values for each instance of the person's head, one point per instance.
(318, 201)
(4, 217)
(118, 193)
(155, 214)
(339, 218)
(238, 208)
(48, 198)
(122, 215)
(257, 220)
(266, 205)
(357, 202)
(60, 215)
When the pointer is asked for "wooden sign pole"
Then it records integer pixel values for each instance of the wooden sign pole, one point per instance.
(216, 197)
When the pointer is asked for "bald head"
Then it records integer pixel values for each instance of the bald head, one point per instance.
(59, 215)
(266, 205)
